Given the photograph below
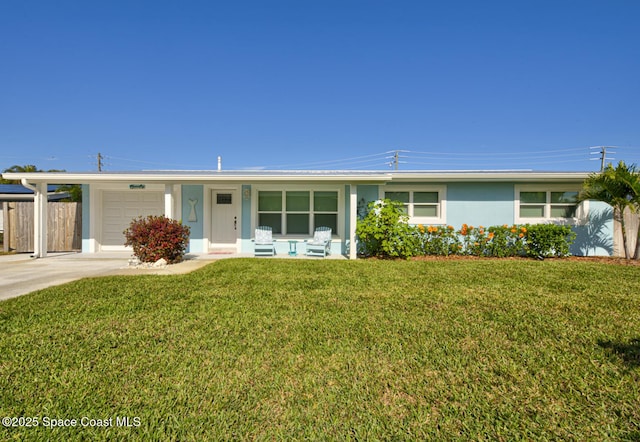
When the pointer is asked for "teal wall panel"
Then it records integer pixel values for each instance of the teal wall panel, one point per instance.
(366, 194)
(483, 204)
(194, 193)
(596, 237)
(246, 233)
(246, 212)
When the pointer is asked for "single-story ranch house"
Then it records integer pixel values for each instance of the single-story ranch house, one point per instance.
(223, 208)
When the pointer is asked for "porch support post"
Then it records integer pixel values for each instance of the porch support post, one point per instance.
(40, 221)
(168, 201)
(353, 219)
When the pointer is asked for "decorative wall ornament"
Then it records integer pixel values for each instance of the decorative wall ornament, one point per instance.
(192, 213)
(362, 208)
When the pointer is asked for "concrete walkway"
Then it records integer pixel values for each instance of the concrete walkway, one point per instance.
(21, 274)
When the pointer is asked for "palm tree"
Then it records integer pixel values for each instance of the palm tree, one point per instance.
(21, 169)
(633, 182)
(74, 190)
(614, 186)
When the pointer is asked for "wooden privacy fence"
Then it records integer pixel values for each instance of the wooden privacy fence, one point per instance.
(64, 226)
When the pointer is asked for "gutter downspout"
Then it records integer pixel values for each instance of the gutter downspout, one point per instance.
(39, 218)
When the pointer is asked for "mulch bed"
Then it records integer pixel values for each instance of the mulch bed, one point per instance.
(598, 259)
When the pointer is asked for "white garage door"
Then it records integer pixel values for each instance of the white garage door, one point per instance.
(119, 208)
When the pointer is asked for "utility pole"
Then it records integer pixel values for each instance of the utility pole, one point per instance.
(395, 161)
(99, 162)
(603, 157)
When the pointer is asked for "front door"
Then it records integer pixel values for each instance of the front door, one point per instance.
(225, 223)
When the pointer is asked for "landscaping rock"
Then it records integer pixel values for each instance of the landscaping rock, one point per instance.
(160, 263)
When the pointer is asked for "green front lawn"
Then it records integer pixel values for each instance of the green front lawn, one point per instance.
(273, 349)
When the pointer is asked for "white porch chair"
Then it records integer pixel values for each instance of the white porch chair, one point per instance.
(320, 245)
(264, 242)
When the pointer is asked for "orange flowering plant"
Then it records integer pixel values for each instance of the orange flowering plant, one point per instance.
(505, 241)
(438, 240)
(446, 240)
(474, 240)
(539, 240)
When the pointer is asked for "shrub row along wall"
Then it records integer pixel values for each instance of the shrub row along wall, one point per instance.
(384, 232)
(537, 240)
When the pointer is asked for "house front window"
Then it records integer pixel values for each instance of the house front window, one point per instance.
(298, 212)
(270, 210)
(537, 204)
(422, 205)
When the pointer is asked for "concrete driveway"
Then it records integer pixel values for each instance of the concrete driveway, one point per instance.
(20, 274)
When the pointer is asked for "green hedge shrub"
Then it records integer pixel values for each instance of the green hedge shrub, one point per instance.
(384, 232)
(156, 237)
(548, 240)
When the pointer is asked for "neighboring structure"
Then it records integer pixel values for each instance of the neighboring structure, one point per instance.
(17, 192)
(223, 208)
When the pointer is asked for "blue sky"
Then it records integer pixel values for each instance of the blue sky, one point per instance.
(319, 84)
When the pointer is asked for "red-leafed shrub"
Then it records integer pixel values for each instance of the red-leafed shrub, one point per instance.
(156, 237)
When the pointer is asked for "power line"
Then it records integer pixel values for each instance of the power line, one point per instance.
(379, 158)
(130, 160)
(410, 158)
(489, 153)
(438, 158)
(493, 157)
(528, 162)
(603, 155)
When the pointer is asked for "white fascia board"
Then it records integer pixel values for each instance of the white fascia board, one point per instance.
(195, 178)
(523, 177)
(363, 177)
